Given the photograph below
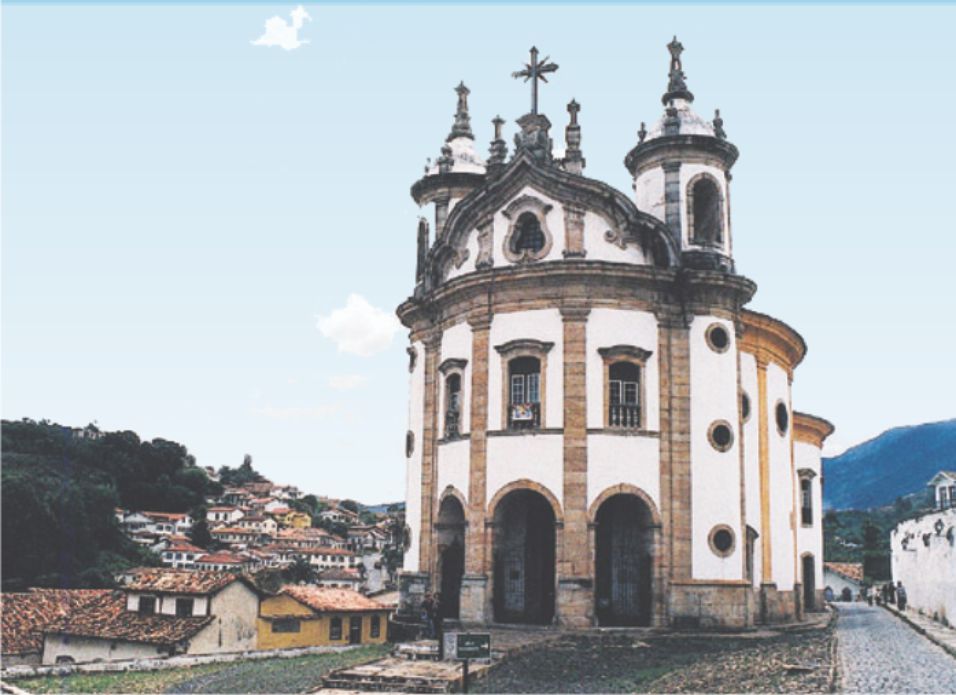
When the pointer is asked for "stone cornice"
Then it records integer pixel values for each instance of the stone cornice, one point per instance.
(524, 345)
(666, 147)
(670, 294)
(811, 429)
(771, 340)
(431, 186)
(452, 363)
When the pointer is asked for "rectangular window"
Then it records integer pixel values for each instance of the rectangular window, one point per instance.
(943, 498)
(517, 388)
(534, 395)
(335, 629)
(184, 608)
(286, 625)
(147, 605)
(376, 629)
(806, 507)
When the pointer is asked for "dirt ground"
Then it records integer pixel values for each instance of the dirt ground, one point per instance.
(789, 662)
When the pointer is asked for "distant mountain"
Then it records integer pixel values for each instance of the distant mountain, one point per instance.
(384, 508)
(898, 462)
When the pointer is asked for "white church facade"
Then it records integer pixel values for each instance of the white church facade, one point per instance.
(600, 433)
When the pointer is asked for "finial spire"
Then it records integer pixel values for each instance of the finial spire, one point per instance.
(534, 71)
(499, 150)
(676, 82)
(462, 126)
(719, 125)
(573, 157)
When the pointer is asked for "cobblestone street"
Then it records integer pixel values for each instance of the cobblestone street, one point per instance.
(881, 654)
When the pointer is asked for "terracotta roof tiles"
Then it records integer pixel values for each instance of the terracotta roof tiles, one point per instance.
(26, 614)
(324, 599)
(175, 581)
(850, 570)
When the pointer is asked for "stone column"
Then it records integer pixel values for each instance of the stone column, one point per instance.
(474, 585)
(575, 597)
(676, 527)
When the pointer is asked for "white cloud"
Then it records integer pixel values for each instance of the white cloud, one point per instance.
(320, 412)
(347, 382)
(359, 328)
(281, 33)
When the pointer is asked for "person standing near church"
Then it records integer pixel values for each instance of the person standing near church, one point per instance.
(900, 596)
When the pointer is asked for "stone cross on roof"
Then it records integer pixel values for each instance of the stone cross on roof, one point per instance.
(534, 71)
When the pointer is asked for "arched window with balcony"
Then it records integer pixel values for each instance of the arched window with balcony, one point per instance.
(453, 370)
(524, 368)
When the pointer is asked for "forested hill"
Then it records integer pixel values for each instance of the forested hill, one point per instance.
(896, 463)
(60, 487)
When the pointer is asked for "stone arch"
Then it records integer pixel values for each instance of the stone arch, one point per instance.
(450, 538)
(624, 533)
(694, 236)
(452, 491)
(526, 484)
(624, 489)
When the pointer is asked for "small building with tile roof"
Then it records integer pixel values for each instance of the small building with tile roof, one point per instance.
(26, 614)
(843, 577)
(311, 616)
(158, 612)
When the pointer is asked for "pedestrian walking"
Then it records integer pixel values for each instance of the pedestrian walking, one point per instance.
(900, 596)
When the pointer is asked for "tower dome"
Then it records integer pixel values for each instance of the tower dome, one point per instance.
(681, 169)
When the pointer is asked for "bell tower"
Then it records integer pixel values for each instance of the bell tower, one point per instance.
(681, 170)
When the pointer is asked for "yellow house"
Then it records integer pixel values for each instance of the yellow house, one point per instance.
(296, 519)
(314, 616)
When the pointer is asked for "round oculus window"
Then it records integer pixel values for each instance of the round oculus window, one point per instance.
(720, 435)
(717, 337)
(722, 540)
(782, 416)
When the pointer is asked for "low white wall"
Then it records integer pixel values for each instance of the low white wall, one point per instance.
(84, 649)
(927, 563)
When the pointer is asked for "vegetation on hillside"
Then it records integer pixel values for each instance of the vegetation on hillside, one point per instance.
(59, 492)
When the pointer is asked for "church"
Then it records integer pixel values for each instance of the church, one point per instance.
(600, 432)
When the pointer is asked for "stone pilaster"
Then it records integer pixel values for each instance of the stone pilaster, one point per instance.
(575, 598)
(672, 196)
(429, 449)
(477, 551)
(674, 562)
(574, 232)
(763, 447)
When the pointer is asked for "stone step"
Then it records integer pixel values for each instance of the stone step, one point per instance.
(394, 674)
(415, 651)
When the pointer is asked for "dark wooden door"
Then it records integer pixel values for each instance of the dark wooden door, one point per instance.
(355, 630)
(809, 584)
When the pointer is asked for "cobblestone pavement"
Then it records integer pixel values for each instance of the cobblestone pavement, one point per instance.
(879, 653)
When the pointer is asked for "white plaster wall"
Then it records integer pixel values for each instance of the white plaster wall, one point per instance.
(541, 324)
(235, 611)
(715, 475)
(689, 171)
(810, 538)
(928, 572)
(751, 446)
(609, 327)
(598, 248)
(86, 649)
(456, 344)
(536, 457)
(781, 481)
(413, 464)
(837, 582)
(453, 463)
(649, 192)
(614, 459)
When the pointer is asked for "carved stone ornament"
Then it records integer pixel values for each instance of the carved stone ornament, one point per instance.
(452, 364)
(461, 257)
(632, 351)
(524, 345)
(412, 358)
(513, 212)
(574, 232)
(485, 233)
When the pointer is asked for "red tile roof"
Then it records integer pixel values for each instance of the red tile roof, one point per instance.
(25, 615)
(164, 515)
(323, 599)
(222, 558)
(107, 618)
(178, 581)
(850, 570)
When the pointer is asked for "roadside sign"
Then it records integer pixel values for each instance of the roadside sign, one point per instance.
(473, 645)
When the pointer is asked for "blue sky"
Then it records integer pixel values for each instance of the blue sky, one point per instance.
(180, 207)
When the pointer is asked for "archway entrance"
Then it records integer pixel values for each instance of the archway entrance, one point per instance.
(450, 527)
(624, 561)
(524, 554)
(809, 583)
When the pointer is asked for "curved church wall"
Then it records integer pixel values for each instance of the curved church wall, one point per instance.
(453, 461)
(715, 474)
(413, 463)
(456, 344)
(781, 480)
(535, 457)
(750, 441)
